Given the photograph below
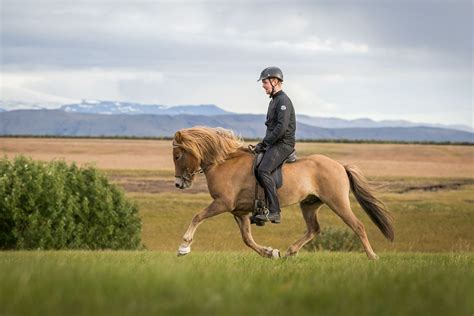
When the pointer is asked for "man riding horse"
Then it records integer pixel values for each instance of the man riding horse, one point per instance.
(311, 181)
(279, 140)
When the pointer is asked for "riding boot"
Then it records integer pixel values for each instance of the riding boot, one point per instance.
(272, 213)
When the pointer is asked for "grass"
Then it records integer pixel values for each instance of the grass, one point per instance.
(425, 221)
(426, 271)
(234, 283)
(139, 173)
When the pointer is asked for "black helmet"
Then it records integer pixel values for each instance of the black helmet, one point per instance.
(271, 72)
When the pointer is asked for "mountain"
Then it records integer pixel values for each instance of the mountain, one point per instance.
(331, 122)
(19, 105)
(113, 107)
(58, 122)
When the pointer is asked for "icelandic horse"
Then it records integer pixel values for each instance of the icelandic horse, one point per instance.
(310, 181)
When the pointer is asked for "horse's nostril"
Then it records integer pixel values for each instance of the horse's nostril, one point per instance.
(177, 185)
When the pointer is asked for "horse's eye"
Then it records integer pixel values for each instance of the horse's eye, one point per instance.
(176, 157)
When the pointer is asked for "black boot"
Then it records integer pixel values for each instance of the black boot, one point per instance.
(256, 221)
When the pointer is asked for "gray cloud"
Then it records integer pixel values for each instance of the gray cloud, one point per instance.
(382, 59)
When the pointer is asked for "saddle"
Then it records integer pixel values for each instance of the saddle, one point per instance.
(259, 202)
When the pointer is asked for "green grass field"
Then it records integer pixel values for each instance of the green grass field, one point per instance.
(427, 270)
(234, 283)
(425, 220)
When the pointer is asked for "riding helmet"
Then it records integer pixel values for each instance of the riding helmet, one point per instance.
(271, 72)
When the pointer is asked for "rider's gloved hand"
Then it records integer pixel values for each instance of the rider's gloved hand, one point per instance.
(260, 147)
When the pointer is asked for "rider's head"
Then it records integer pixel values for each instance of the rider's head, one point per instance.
(272, 78)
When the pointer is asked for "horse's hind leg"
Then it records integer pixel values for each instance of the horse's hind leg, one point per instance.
(309, 210)
(244, 224)
(340, 204)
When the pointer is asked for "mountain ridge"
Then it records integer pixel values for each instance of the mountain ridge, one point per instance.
(62, 123)
(134, 108)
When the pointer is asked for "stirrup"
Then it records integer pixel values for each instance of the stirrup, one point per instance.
(270, 217)
(259, 209)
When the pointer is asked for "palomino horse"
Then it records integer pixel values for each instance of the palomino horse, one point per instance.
(311, 181)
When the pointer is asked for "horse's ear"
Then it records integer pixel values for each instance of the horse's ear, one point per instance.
(178, 137)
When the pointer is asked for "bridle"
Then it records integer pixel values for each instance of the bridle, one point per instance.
(187, 176)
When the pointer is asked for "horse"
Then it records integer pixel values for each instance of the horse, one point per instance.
(311, 181)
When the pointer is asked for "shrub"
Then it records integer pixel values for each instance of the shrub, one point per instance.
(335, 239)
(59, 206)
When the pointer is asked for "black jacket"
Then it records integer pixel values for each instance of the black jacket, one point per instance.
(281, 121)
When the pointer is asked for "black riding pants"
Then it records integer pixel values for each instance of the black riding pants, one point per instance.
(273, 157)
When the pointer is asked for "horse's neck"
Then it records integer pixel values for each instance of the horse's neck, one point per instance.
(226, 170)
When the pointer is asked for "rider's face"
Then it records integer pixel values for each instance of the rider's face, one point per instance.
(267, 86)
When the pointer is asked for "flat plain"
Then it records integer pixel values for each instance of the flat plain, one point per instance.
(429, 189)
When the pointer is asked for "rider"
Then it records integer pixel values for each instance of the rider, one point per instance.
(279, 140)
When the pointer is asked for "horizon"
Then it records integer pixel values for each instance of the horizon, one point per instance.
(32, 106)
(381, 60)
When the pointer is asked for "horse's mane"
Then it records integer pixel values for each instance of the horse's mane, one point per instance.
(209, 145)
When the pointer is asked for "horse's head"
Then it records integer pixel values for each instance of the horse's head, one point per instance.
(197, 148)
(186, 166)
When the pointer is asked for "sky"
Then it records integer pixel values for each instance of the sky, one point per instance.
(377, 59)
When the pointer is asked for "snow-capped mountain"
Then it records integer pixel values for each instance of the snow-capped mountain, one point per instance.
(114, 107)
(19, 105)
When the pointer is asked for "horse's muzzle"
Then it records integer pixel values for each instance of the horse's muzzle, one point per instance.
(181, 183)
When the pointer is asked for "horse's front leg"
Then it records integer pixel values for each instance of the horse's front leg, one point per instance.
(244, 224)
(215, 208)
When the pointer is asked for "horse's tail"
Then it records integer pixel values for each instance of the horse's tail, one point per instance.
(375, 208)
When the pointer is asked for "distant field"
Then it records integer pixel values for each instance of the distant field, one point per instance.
(428, 188)
(397, 160)
(234, 283)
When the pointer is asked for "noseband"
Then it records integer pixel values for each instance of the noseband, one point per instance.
(187, 176)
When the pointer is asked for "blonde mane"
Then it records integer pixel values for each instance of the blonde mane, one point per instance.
(209, 145)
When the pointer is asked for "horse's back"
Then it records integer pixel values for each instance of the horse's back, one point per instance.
(319, 161)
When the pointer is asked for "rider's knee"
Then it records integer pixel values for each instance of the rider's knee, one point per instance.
(262, 171)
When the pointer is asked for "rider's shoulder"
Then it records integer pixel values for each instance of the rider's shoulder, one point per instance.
(282, 97)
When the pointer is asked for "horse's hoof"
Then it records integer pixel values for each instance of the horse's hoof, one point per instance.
(276, 254)
(374, 257)
(183, 250)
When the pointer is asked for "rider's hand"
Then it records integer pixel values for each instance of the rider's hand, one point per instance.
(260, 147)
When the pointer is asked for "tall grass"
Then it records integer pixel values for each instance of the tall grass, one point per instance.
(234, 283)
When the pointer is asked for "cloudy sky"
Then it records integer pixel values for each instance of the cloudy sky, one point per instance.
(379, 59)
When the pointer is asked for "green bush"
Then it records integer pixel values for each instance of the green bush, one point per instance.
(59, 206)
(335, 239)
